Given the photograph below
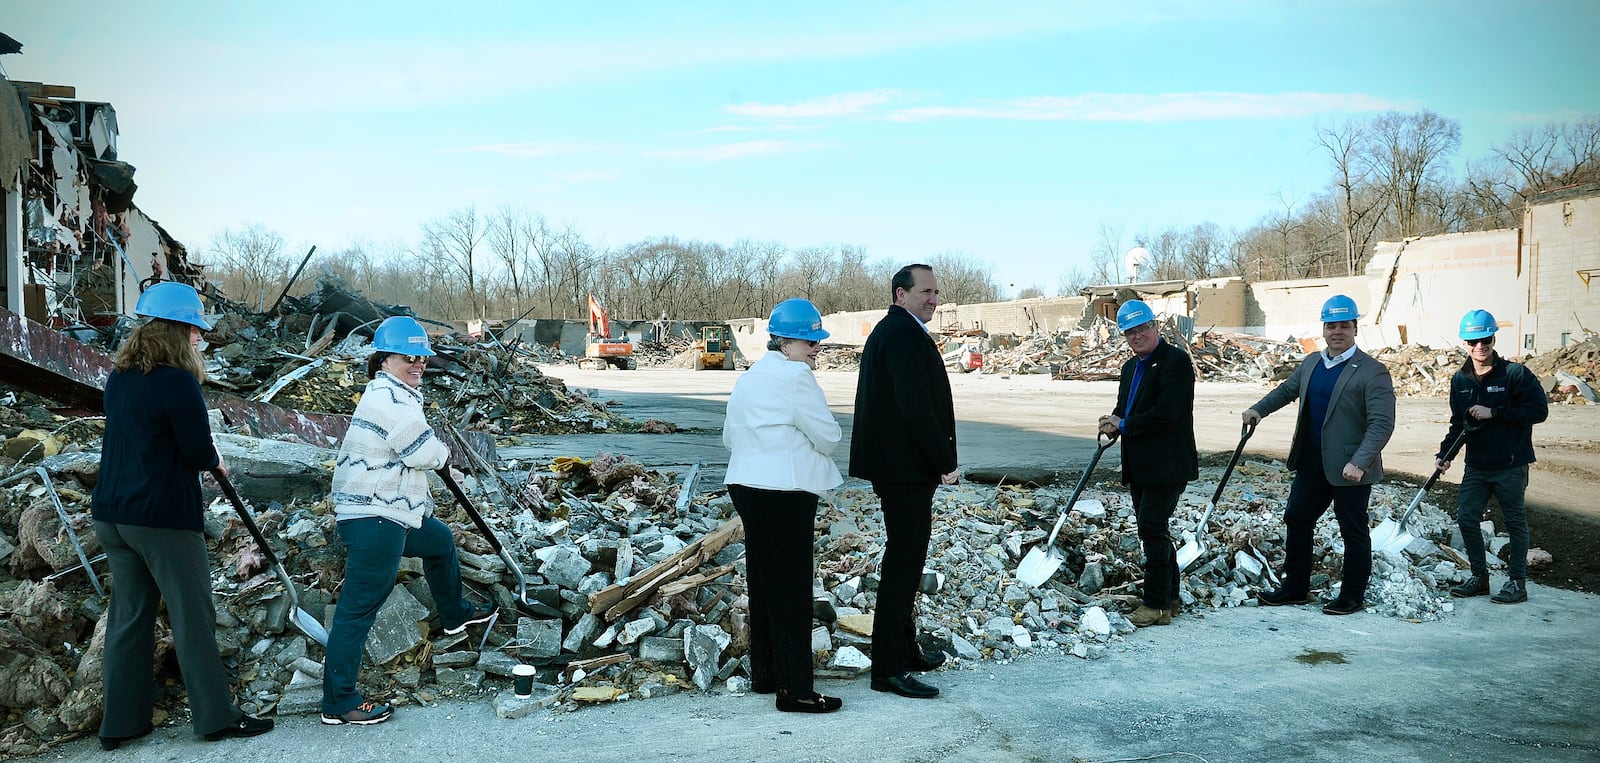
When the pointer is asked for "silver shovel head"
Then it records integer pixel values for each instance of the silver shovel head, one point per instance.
(1390, 537)
(1039, 565)
(1191, 551)
(309, 625)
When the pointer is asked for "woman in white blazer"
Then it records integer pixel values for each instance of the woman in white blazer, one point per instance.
(781, 436)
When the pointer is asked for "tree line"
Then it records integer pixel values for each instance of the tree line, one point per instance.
(1390, 177)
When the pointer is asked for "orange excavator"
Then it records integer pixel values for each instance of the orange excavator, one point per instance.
(600, 351)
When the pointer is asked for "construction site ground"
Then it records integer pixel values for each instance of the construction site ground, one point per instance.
(1485, 682)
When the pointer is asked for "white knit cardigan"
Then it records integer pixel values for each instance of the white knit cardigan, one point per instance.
(387, 453)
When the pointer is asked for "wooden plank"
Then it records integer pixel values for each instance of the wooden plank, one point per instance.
(617, 600)
(694, 581)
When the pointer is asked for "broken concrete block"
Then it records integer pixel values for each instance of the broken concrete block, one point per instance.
(964, 648)
(1021, 637)
(307, 666)
(660, 649)
(460, 677)
(1096, 622)
(849, 658)
(702, 648)
(859, 624)
(637, 629)
(455, 659)
(281, 469)
(540, 639)
(582, 633)
(1092, 579)
(497, 664)
(301, 700)
(565, 567)
(820, 640)
(395, 630)
(509, 706)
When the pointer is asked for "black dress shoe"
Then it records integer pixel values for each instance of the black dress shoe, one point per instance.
(922, 663)
(112, 743)
(246, 726)
(816, 703)
(905, 685)
(1281, 597)
(1342, 607)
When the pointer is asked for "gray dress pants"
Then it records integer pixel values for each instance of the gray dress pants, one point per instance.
(148, 565)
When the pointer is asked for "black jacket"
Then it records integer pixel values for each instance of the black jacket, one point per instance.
(157, 441)
(905, 423)
(1512, 392)
(1158, 438)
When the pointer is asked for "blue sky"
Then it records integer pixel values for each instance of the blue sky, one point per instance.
(1007, 131)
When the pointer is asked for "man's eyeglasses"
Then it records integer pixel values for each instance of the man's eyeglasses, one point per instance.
(1486, 341)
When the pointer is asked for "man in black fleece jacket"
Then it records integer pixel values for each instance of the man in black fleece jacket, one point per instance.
(1503, 400)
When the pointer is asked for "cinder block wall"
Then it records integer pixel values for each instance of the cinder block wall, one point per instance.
(1563, 238)
(1436, 280)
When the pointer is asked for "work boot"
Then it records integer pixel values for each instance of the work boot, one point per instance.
(1477, 585)
(1177, 606)
(1512, 592)
(1146, 615)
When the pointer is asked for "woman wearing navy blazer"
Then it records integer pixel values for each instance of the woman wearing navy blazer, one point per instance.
(781, 436)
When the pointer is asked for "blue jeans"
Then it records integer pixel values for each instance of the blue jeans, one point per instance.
(1509, 485)
(373, 549)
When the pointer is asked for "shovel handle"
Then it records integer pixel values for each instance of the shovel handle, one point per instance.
(472, 511)
(1105, 442)
(244, 514)
(1244, 437)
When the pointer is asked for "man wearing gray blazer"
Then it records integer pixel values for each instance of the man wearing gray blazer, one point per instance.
(1346, 416)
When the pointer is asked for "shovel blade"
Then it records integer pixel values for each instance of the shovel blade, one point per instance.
(309, 625)
(1390, 537)
(1038, 566)
(1189, 553)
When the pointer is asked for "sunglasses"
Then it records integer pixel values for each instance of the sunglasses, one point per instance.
(1486, 341)
(413, 359)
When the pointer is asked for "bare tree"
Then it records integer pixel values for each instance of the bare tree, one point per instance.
(452, 246)
(250, 261)
(964, 280)
(1359, 204)
(1406, 154)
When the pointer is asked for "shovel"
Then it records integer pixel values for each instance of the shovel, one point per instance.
(302, 619)
(1195, 547)
(1045, 558)
(483, 527)
(1392, 536)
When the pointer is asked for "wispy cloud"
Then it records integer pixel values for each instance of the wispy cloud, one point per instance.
(528, 150)
(742, 150)
(839, 105)
(1158, 107)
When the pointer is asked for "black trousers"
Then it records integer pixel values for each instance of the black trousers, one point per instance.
(1153, 506)
(1309, 496)
(779, 530)
(908, 521)
(149, 565)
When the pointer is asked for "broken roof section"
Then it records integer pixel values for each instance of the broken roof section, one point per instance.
(85, 246)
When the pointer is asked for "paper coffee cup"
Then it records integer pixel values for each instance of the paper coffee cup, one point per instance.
(523, 677)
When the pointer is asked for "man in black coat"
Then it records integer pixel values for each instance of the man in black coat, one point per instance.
(1154, 418)
(903, 441)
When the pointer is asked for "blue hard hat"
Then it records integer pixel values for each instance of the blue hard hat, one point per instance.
(1340, 308)
(401, 334)
(797, 318)
(173, 301)
(1477, 324)
(1133, 313)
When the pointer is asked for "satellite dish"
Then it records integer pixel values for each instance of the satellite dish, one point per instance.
(1134, 262)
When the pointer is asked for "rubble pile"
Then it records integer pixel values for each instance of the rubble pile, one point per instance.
(635, 588)
(1571, 373)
